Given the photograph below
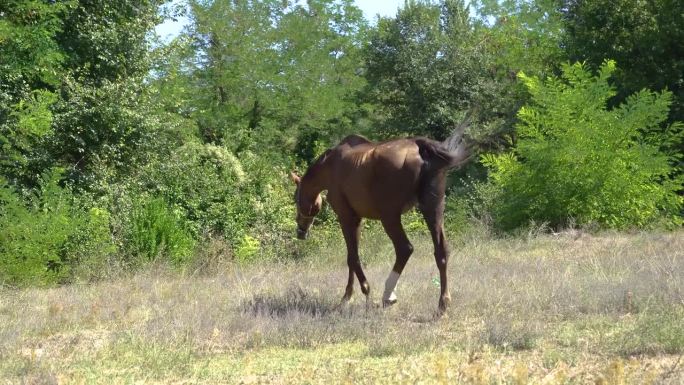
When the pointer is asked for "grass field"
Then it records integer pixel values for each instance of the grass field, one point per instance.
(571, 308)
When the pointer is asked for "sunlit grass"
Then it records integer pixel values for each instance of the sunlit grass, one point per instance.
(555, 309)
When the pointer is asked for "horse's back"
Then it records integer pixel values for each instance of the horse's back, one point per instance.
(375, 177)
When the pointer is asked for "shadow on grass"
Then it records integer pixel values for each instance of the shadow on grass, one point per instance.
(294, 300)
(430, 318)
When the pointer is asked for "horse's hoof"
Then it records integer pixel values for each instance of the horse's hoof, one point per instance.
(370, 305)
(442, 311)
(388, 302)
(441, 315)
(444, 303)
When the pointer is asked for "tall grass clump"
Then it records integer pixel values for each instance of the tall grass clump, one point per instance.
(156, 231)
(658, 331)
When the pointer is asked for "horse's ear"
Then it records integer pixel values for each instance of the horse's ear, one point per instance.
(295, 178)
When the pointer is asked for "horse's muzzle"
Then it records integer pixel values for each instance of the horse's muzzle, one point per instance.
(301, 234)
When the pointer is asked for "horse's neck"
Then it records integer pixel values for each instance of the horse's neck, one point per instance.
(315, 180)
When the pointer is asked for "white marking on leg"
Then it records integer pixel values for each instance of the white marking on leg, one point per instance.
(390, 285)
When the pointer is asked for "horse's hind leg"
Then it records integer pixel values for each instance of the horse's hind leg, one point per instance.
(431, 204)
(403, 250)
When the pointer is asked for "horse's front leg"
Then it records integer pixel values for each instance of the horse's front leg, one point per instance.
(351, 225)
(403, 250)
(350, 287)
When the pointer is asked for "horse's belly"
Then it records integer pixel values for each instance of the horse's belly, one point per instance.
(382, 188)
(368, 206)
(408, 206)
(364, 207)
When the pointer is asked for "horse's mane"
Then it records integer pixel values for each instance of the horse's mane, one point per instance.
(316, 165)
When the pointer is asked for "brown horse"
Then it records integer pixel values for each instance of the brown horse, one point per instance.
(382, 181)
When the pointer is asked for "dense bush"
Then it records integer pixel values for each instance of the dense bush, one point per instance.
(427, 66)
(220, 194)
(576, 159)
(44, 240)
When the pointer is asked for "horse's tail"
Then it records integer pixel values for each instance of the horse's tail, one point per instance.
(437, 157)
(452, 152)
(456, 142)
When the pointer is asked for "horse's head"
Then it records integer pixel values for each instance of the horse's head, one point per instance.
(307, 207)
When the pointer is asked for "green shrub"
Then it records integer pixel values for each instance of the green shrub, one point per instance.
(156, 231)
(458, 214)
(247, 248)
(577, 160)
(204, 182)
(43, 238)
(219, 194)
(90, 248)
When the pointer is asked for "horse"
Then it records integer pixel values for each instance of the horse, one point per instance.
(381, 181)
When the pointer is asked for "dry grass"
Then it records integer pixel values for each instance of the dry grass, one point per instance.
(543, 309)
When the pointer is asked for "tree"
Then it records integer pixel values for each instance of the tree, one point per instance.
(267, 71)
(525, 35)
(578, 160)
(72, 87)
(321, 71)
(431, 64)
(645, 38)
(31, 66)
(106, 40)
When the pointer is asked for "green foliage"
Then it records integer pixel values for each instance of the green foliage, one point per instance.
(91, 250)
(33, 116)
(524, 35)
(71, 88)
(43, 239)
(413, 222)
(29, 54)
(458, 218)
(575, 159)
(156, 231)
(28, 122)
(247, 248)
(102, 128)
(104, 40)
(203, 181)
(30, 66)
(310, 144)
